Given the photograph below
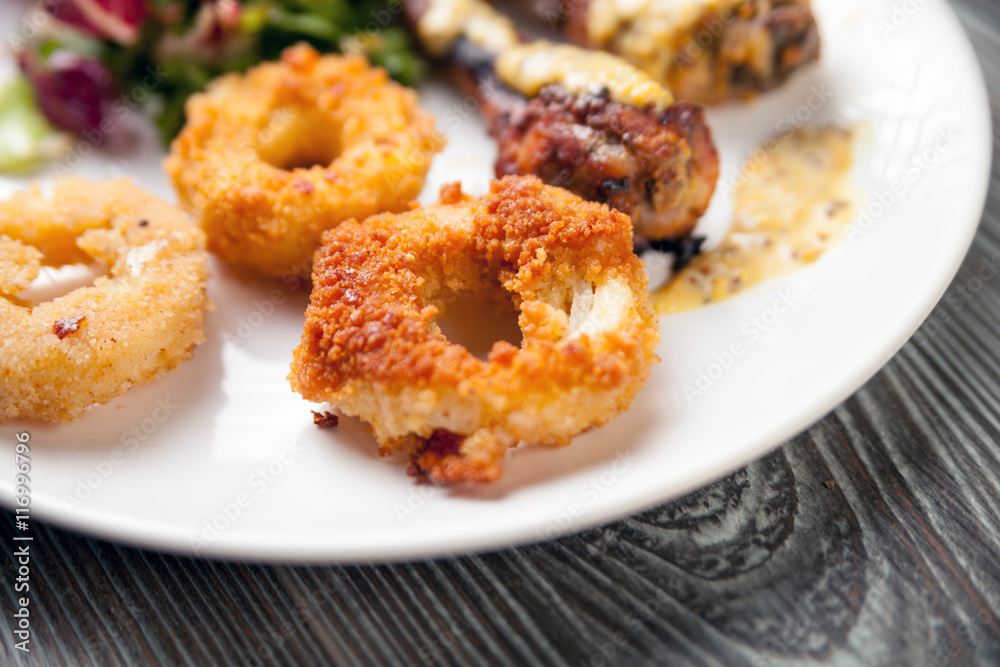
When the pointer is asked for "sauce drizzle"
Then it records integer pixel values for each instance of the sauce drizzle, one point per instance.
(793, 204)
(528, 67)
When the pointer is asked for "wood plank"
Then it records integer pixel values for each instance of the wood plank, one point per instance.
(897, 563)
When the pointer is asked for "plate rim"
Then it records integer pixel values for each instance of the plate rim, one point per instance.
(272, 548)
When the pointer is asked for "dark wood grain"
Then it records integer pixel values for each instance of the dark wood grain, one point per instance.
(898, 562)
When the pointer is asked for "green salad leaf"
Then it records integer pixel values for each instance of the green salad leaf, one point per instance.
(26, 138)
(187, 43)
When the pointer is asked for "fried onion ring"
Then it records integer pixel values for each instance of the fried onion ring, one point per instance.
(92, 344)
(270, 159)
(372, 347)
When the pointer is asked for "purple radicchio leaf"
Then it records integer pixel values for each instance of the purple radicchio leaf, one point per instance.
(78, 95)
(117, 20)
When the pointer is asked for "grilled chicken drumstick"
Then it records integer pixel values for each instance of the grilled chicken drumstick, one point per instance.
(705, 51)
(584, 120)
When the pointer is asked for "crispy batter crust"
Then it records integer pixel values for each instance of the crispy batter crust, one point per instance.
(92, 344)
(372, 348)
(270, 159)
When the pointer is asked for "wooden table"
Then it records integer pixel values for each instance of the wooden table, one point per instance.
(873, 538)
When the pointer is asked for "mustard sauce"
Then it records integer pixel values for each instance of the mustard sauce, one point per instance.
(528, 67)
(795, 201)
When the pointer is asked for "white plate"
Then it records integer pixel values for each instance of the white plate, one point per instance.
(139, 472)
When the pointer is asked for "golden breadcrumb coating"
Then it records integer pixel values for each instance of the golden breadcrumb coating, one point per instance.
(92, 344)
(270, 159)
(372, 347)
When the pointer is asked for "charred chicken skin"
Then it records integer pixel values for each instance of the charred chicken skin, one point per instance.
(583, 120)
